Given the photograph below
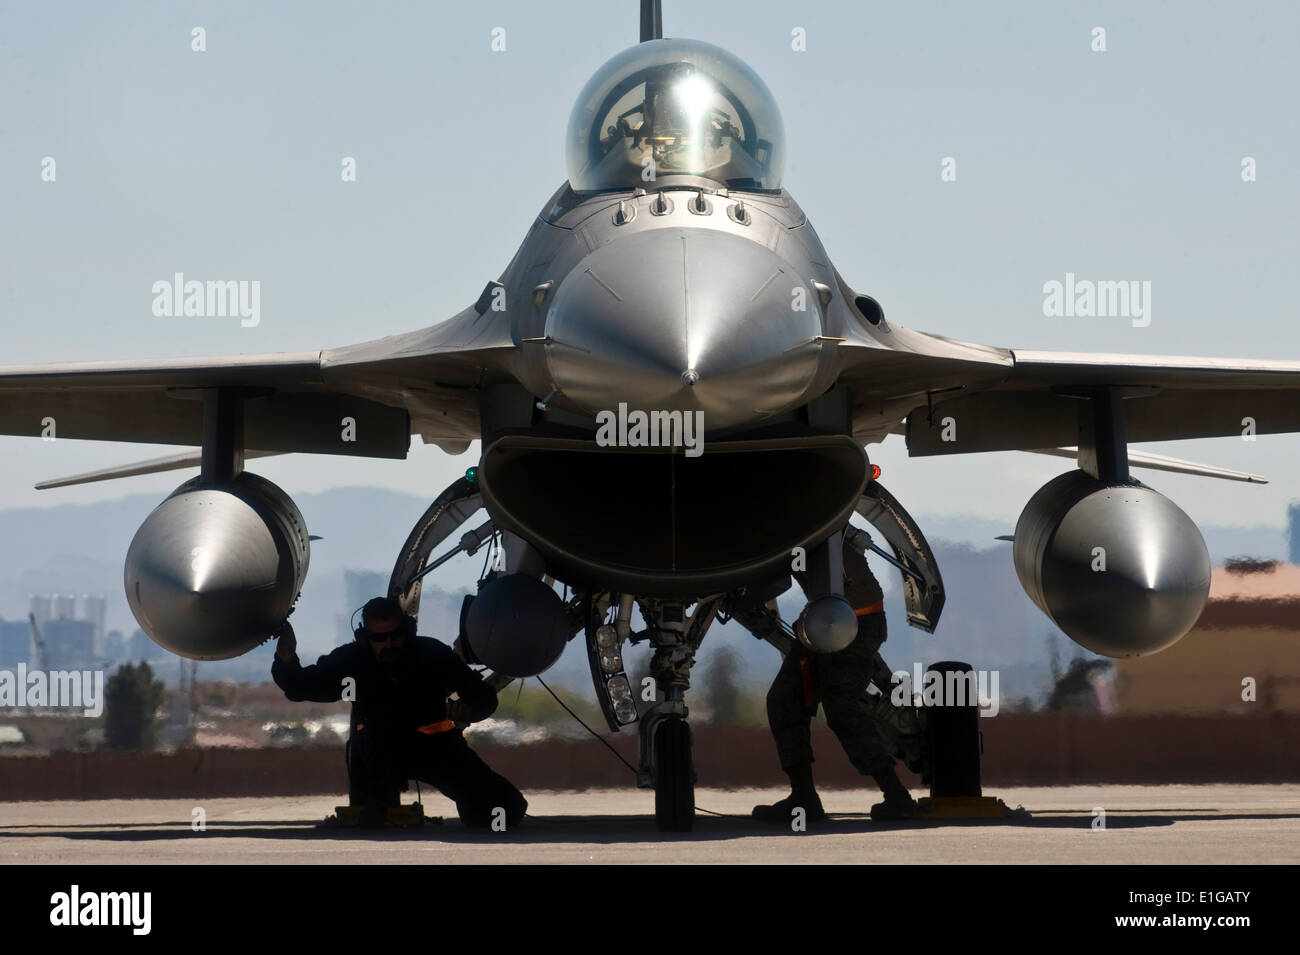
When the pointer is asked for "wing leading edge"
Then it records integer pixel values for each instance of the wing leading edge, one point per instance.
(1170, 398)
(363, 400)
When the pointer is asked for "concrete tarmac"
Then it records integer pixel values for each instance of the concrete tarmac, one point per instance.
(1208, 824)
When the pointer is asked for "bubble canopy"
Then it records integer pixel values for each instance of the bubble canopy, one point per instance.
(677, 108)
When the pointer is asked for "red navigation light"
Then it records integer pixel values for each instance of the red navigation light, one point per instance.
(875, 472)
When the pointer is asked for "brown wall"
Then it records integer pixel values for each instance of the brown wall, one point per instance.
(1030, 749)
(1203, 672)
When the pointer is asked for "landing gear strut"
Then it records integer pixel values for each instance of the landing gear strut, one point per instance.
(665, 740)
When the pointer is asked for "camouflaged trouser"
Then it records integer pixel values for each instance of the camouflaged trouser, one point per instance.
(839, 682)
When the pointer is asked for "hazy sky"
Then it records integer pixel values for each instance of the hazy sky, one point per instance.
(225, 164)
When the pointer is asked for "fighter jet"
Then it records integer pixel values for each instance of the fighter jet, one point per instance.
(674, 389)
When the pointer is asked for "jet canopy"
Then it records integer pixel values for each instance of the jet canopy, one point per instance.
(675, 108)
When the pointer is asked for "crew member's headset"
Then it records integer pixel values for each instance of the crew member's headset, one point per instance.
(407, 628)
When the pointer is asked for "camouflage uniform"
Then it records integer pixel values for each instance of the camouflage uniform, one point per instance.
(838, 681)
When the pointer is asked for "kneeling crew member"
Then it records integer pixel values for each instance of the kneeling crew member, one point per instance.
(403, 724)
(839, 681)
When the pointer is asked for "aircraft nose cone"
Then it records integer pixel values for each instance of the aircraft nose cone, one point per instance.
(678, 319)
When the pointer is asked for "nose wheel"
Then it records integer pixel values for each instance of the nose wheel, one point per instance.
(664, 756)
(674, 776)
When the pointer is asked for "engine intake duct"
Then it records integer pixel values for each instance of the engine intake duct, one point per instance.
(658, 523)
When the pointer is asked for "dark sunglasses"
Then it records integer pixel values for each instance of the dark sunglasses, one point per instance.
(382, 637)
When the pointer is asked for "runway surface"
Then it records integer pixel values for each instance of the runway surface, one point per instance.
(1143, 825)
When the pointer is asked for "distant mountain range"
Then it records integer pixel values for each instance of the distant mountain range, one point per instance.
(987, 621)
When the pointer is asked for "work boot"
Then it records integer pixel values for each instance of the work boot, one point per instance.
(803, 795)
(898, 803)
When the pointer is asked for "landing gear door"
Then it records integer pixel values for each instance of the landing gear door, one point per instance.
(924, 597)
(451, 509)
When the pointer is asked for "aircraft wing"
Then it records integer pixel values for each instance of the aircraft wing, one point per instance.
(951, 397)
(297, 401)
(1166, 398)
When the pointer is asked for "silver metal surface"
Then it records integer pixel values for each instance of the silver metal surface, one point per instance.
(170, 462)
(827, 624)
(701, 288)
(1120, 568)
(214, 569)
(1163, 462)
(676, 319)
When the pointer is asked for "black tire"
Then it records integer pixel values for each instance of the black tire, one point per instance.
(674, 777)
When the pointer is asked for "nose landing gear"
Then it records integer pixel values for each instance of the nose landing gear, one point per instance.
(675, 631)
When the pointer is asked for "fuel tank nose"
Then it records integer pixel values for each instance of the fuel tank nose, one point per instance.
(215, 568)
(685, 320)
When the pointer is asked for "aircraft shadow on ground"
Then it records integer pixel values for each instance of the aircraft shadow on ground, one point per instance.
(593, 829)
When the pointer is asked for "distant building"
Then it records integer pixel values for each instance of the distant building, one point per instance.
(64, 606)
(142, 647)
(94, 607)
(68, 643)
(1250, 630)
(360, 585)
(115, 645)
(15, 642)
(42, 607)
(52, 608)
(440, 613)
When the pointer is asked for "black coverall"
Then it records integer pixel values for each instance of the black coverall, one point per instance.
(386, 746)
(838, 681)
